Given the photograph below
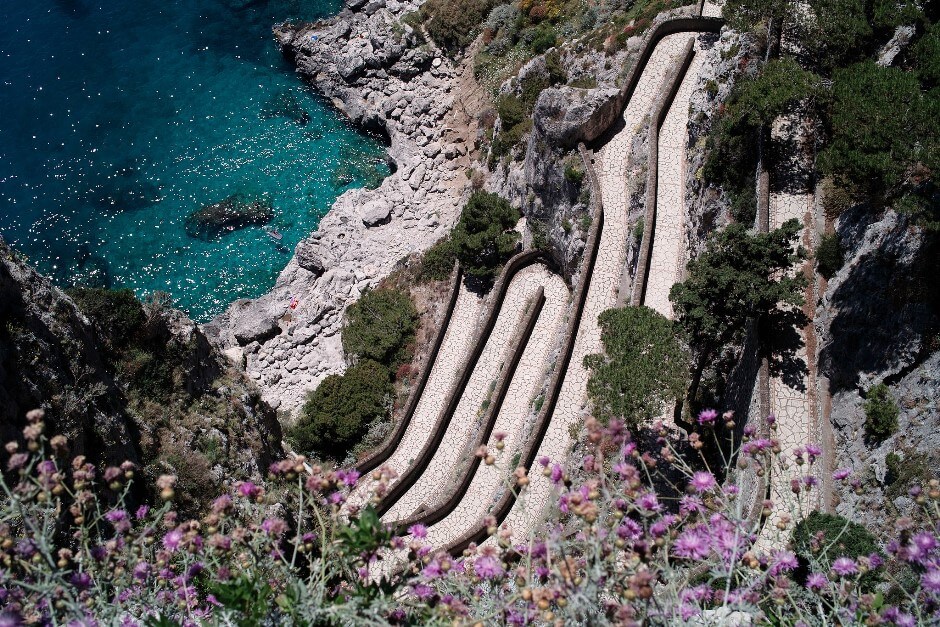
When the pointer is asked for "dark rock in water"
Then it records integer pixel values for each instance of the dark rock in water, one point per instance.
(285, 105)
(233, 213)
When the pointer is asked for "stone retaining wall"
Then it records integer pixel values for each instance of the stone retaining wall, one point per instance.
(420, 464)
(506, 502)
(520, 342)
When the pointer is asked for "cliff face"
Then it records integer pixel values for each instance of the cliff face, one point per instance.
(157, 394)
(49, 358)
(879, 322)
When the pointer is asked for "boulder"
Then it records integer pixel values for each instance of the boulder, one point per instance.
(232, 213)
(376, 212)
(254, 325)
(568, 115)
(311, 257)
(373, 6)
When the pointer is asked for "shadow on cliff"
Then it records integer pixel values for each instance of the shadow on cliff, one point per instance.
(885, 305)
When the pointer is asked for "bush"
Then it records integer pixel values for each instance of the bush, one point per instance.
(117, 313)
(829, 255)
(453, 24)
(483, 237)
(544, 38)
(881, 413)
(820, 538)
(574, 174)
(511, 111)
(381, 326)
(438, 261)
(338, 413)
(643, 367)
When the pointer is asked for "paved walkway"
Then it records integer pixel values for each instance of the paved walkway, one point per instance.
(668, 255)
(457, 343)
(512, 419)
(602, 292)
(439, 477)
(791, 404)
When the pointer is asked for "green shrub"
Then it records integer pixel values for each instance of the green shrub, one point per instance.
(904, 472)
(438, 261)
(117, 313)
(381, 326)
(881, 413)
(453, 24)
(643, 367)
(584, 82)
(483, 237)
(338, 413)
(829, 255)
(574, 174)
(545, 37)
(511, 110)
(822, 538)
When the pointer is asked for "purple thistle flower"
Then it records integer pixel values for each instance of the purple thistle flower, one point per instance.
(172, 540)
(348, 477)
(557, 474)
(81, 581)
(784, 561)
(841, 474)
(930, 581)
(423, 591)
(844, 567)
(707, 416)
(649, 502)
(925, 541)
(544, 461)
(702, 481)
(418, 531)
(692, 544)
(816, 581)
(142, 512)
(248, 489)
(487, 567)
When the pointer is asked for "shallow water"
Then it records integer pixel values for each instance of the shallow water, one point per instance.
(118, 119)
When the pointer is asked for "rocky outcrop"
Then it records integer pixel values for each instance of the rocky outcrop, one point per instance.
(568, 115)
(49, 358)
(878, 322)
(388, 79)
(880, 312)
(169, 402)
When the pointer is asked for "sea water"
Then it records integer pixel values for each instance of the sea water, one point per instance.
(119, 119)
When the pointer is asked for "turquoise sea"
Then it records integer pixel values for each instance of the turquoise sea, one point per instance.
(118, 119)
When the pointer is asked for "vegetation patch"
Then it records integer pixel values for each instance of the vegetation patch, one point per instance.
(881, 413)
(380, 326)
(484, 237)
(643, 368)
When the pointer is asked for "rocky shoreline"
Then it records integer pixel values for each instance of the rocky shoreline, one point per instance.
(386, 78)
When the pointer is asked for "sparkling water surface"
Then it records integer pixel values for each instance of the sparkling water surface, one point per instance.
(119, 119)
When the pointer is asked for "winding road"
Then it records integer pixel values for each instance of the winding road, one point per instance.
(497, 353)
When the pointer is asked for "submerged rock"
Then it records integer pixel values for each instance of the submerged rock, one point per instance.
(285, 104)
(233, 213)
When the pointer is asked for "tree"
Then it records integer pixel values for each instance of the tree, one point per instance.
(881, 413)
(381, 326)
(737, 278)
(744, 15)
(338, 413)
(781, 84)
(483, 237)
(841, 32)
(829, 255)
(880, 127)
(643, 366)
